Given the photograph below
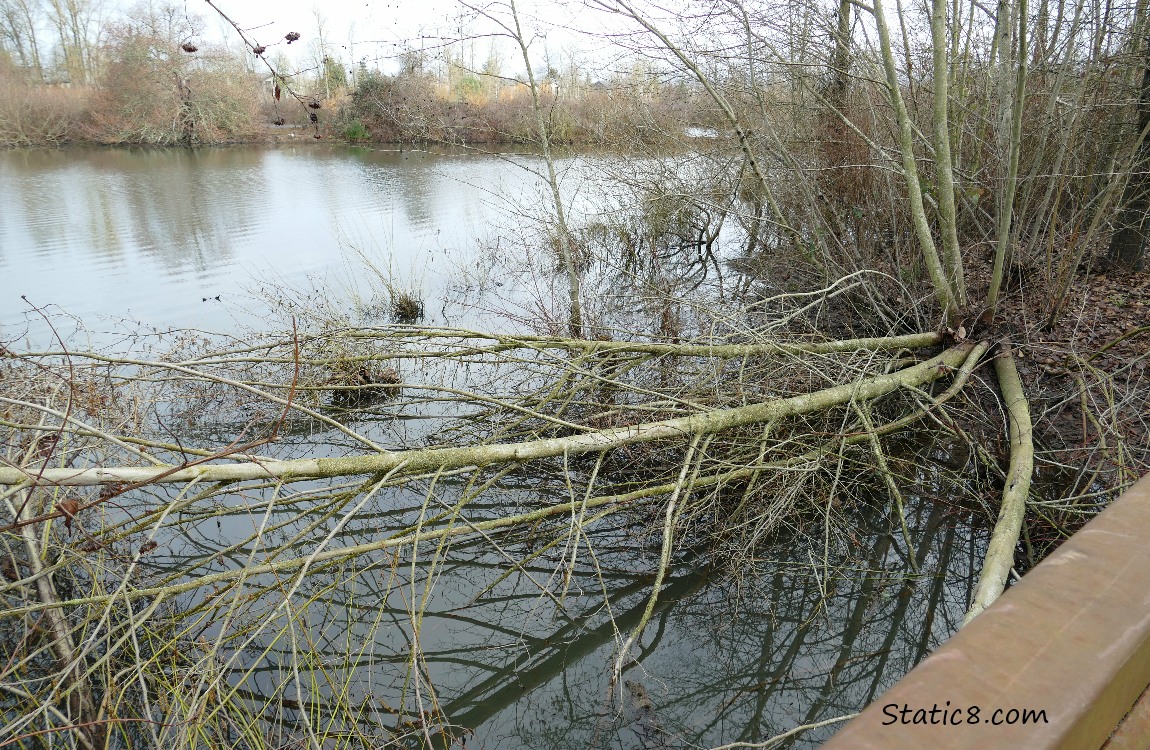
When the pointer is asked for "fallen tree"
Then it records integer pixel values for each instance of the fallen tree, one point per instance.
(445, 459)
(69, 412)
(720, 422)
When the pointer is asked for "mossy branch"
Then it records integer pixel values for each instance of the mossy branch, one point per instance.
(1004, 540)
(413, 461)
(938, 277)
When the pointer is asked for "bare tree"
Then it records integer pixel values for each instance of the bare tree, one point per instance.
(75, 23)
(19, 22)
(506, 17)
(1128, 245)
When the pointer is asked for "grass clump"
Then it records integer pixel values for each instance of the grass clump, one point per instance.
(406, 307)
(357, 384)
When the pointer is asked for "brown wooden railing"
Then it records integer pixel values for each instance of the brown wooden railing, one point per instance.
(1061, 660)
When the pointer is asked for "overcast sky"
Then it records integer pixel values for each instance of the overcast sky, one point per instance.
(377, 31)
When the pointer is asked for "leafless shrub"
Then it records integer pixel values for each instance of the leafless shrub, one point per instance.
(40, 115)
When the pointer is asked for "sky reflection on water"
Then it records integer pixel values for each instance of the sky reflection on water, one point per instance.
(147, 235)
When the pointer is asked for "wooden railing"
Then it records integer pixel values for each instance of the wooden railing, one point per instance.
(1061, 660)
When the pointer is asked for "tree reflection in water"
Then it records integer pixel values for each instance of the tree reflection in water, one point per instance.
(486, 644)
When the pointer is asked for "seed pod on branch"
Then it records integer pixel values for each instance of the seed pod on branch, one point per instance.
(69, 507)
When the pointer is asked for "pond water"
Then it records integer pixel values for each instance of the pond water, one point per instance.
(802, 636)
(155, 236)
(787, 643)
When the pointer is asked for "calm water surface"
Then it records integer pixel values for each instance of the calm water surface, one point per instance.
(147, 235)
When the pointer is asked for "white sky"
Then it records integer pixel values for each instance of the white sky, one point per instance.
(378, 30)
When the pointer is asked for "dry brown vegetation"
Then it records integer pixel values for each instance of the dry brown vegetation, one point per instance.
(32, 115)
(151, 93)
(420, 108)
(141, 86)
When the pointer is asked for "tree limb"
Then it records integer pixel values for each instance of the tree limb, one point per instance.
(481, 455)
(1000, 551)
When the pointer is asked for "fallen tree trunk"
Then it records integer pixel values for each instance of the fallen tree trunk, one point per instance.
(509, 342)
(506, 343)
(430, 459)
(1004, 540)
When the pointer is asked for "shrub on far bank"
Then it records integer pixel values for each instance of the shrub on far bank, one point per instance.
(151, 92)
(141, 98)
(355, 131)
(393, 108)
(38, 115)
(416, 107)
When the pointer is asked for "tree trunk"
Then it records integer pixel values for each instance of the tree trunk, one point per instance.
(840, 59)
(1128, 245)
(939, 279)
(1011, 93)
(1000, 552)
(567, 247)
(435, 459)
(943, 162)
